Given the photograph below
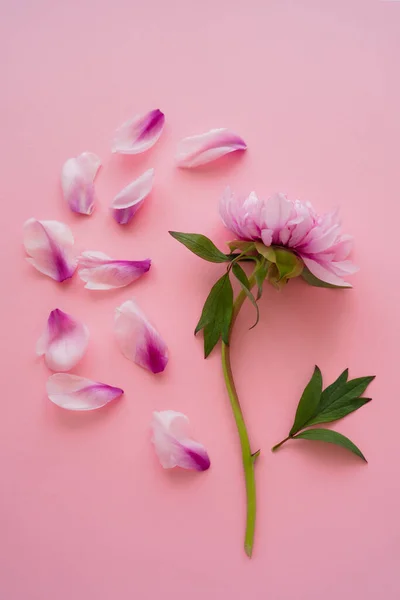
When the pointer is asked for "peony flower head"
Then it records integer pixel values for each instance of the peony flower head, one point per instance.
(316, 239)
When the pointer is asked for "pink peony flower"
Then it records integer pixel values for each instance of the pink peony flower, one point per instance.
(317, 240)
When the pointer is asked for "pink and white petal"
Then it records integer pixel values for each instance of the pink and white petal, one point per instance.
(72, 392)
(49, 244)
(266, 236)
(200, 149)
(100, 272)
(138, 340)
(323, 273)
(77, 177)
(64, 341)
(140, 133)
(173, 445)
(343, 268)
(323, 242)
(343, 247)
(276, 213)
(128, 201)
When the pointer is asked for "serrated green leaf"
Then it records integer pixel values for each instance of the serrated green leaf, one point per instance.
(201, 246)
(331, 389)
(217, 314)
(308, 402)
(332, 437)
(246, 287)
(314, 281)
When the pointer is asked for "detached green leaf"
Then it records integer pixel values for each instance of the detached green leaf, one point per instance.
(201, 246)
(314, 281)
(332, 437)
(331, 389)
(245, 284)
(217, 314)
(308, 402)
(341, 401)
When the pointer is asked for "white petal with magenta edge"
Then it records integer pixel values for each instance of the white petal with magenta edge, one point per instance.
(78, 393)
(198, 150)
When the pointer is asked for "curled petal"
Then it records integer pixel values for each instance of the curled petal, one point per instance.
(140, 133)
(77, 181)
(323, 272)
(200, 149)
(131, 198)
(49, 245)
(100, 272)
(173, 445)
(78, 393)
(63, 342)
(138, 340)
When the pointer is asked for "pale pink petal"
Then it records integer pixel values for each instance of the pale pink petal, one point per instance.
(322, 273)
(49, 245)
(63, 342)
(276, 213)
(266, 236)
(201, 149)
(140, 133)
(343, 268)
(77, 181)
(321, 243)
(173, 445)
(138, 340)
(100, 272)
(131, 198)
(78, 393)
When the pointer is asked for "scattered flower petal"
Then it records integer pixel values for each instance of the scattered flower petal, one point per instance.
(100, 272)
(138, 340)
(200, 149)
(77, 181)
(173, 445)
(131, 198)
(64, 341)
(140, 133)
(317, 239)
(49, 245)
(78, 393)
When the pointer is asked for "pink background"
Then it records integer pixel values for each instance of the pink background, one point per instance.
(86, 509)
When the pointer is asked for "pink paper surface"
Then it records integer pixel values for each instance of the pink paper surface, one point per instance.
(86, 510)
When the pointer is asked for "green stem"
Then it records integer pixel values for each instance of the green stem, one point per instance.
(280, 443)
(247, 456)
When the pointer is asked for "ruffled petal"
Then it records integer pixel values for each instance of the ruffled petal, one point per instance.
(49, 245)
(201, 149)
(173, 445)
(78, 393)
(100, 272)
(138, 340)
(77, 181)
(323, 273)
(131, 198)
(63, 342)
(140, 133)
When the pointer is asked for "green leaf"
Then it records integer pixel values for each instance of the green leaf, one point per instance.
(331, 389)
(266, 251)
(217, 314)
(201, 246)
(332, 437)
(241, 245)
(338, 411)
(314, 281)
(288, 264)
(308, 402)
(260, 274)
(245, 284)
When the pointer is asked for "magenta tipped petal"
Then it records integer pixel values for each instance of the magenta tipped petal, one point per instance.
(49, 245)
(78, 393)
(201, 149)
(140, 133)
(126, 204)
(77, 181)
(100, 272)
(138, 340)
(173, 445)
(63, 342)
